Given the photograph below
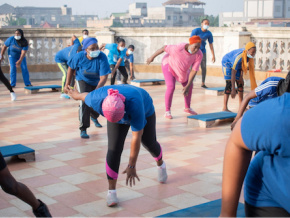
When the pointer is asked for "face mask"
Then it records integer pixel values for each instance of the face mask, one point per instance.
(190, 52)
(249, 56)
(205, 27)
(121, 48)
(17, 37)
(94, 54)
(130, 52)
(85, 36)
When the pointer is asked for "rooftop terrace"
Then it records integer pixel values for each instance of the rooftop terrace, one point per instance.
(69, 172)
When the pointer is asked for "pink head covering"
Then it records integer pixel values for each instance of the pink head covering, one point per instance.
(113, 106)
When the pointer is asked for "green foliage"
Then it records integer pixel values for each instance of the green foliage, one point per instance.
(213, 20)
(13, 21)
(117, 24)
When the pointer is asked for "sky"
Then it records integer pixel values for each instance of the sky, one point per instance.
(103, 8)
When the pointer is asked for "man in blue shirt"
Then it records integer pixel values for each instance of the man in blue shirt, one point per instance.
(269, 88)
(205, 35)
(265, 129)
(62, 57)
(92, 69)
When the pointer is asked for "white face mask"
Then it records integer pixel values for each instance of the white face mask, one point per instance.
(189, 51)
(17, 37)
(94, 54)
(121, 48)
(205, 27)
(85, 36)
(130, 52)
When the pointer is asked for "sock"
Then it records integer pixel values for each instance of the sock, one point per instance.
(112, 191)
(163, 166)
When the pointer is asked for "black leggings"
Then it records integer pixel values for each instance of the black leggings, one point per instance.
(122, 70)
(5, 81)
(116, 138)
(252, 211)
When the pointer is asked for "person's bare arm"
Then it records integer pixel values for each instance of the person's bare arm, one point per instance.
(76, 95)
(23, 53)
(134, 152)
(192, 75)
(131, 71)
(116, 66)
(158, 52)
(102, 82)
(233, 80)
(244, 104)
(236, 162)
(70, 73)
(73, 38)
(103, 46)
(212, 52)
(3, 52)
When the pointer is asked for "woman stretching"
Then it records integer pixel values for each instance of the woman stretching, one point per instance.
(5, 81)
(181, 63)
(125, 106)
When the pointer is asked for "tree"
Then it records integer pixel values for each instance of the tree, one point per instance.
(15, 21)
(213, 20)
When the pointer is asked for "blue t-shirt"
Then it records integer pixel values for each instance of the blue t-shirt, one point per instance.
(129, 58)
(14, 50)
(266, 90)
(89, 70)
(207, 35)
(114, 55)
(138, 104)
(233, 60)
(266, 128)
(65, 54)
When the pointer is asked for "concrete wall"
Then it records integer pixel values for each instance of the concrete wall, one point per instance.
(273, 47)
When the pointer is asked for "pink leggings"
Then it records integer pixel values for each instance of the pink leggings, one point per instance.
(170, 84)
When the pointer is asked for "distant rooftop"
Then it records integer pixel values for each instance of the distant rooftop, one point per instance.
(119, 14)
(180, 2)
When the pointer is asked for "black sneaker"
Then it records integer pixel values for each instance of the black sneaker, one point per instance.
(29, 85)
(42, 210)
(204, 86)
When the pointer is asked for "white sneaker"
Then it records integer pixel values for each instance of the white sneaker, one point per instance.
(64, 96)
(112, 199)
(162, 174)
(119, 82)
(13, 96)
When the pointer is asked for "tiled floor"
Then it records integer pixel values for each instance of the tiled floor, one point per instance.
(69, 172)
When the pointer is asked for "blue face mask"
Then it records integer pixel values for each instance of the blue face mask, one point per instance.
(94, 54)
(189, 51)
(249, 56)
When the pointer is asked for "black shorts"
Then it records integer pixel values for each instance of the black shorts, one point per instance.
(228, 87)
(252, 211)
(2, 162)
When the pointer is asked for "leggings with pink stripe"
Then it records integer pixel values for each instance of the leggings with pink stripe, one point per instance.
(116, 138)
(170, 87)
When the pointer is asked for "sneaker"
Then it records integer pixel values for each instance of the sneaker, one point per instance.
(13, 96)
(64, 96)
(42, 210)
(162, 174)
(96, 122)
(190, 111)
(112, 199)
(119, 82)
(29, 85)
(204, 86)
(167, 115)
(84, 134)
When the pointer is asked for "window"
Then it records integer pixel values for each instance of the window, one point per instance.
(180, 17)
(131, 21)
(169, 18)
(278, 8)
(72, 18)
(126, 21)
(52, 18)
(174, 18)
(136, 21)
